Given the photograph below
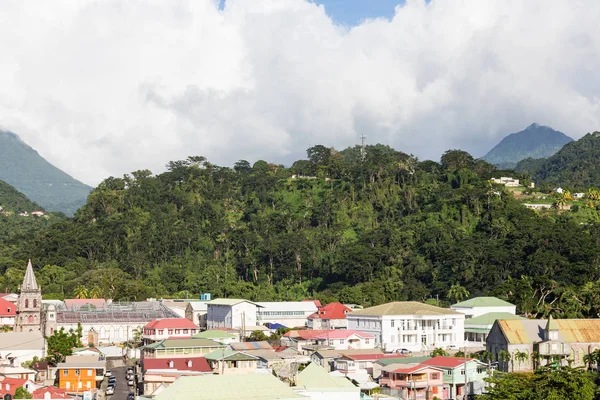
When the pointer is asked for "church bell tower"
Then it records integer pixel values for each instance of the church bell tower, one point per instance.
(29, 305)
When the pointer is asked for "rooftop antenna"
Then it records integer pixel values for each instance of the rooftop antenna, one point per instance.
(363, 146)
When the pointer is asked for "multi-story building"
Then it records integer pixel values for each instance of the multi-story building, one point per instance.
(231, 313)
(458, 372)
(163, 371)
(414, 381)
(180, 348)
(410, 325)
(483, 305)
(331, 316)
(8, 311)
(291, 314)
(29, 306)
(168, 328)
(80, 373)
(196, 312)
(229, 362)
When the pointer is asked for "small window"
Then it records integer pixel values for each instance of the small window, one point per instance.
(462, 371)
(393, 323)
(65, 372)
(68, 384)
(161, 331)
(77, 371)
(435, 375)
(170, 331)
(89, 372)
(185, 331)
(449, 372)
(8, 309)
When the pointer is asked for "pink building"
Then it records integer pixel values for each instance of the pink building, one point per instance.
(168, 328)
(414, 381)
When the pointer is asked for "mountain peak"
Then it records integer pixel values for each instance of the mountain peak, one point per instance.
(535, 141)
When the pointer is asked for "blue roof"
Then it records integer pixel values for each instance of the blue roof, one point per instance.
(275, 326)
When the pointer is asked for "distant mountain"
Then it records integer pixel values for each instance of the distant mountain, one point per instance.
(22, 167)
(535, 141)
(13, 200)
(576, 165)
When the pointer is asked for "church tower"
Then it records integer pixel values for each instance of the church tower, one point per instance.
(29, 305)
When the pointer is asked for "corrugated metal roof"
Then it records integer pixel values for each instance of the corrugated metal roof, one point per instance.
(483, 302)
(404, 308)
(315, 377)
(251, 346)
(569, 330)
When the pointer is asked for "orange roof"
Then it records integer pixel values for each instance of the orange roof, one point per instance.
(171, 323)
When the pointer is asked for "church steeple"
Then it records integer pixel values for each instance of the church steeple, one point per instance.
(29, 282)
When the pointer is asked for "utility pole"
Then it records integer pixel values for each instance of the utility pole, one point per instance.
(465, 396)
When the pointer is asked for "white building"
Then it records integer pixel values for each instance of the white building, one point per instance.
(410, 325)
(291, 314)
(18, 347)
(331, 316)
(343, 339)
(483, 305)
(196, 312)
(168, 328)
(231, 313)
(506, 181)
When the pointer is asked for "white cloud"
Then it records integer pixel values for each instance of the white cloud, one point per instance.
(104, 87)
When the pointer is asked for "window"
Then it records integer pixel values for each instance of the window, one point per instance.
(341, 341)
(65, 372)
(177, 331)
(170, 331)
(367, 341)
(393, 339)
(449, 372)
(89, 372)
(77, 371)
(30, 319)
(79, 384)
(185, 331)
(89, 385)
(189, 363)
(161, 331)
(68, 385)
(393, 323)
(462, 372)
(171, 363)
(8, 309)
(435, 375)
(34, 303)
(26, 303)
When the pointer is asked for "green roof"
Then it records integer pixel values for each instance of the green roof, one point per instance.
(230, 302)
(213, 334)
(403, 308)
(490, 318)
(402, 360)
(483, 302)
(229, 355)
(228, 387)
(183, 343)
(315, 377)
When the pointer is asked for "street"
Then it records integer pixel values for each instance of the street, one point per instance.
(121, 390)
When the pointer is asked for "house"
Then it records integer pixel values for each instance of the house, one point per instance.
(315, 383)
(356, 363)
(37, 213)
(228, 387)
(231, 313)
(10, 385)
(558, 190)
(290, 314)
(540, 206)
(18, 347)
(180, 348)
(80, 373)
(220, 336)
(165, 328)
(418, 381)
(409, 325)
(533, 343)
(41, 370)
(455, 369)
(17, 371)
(163, 371)
(506, 181)
(331, 316)
(483, 305)
(327, 358)
(228, 362)
(478, 328)
(196, 311)
(578, 196)
(343, 339)
(8, 311)
(384, 362)
(50, 393)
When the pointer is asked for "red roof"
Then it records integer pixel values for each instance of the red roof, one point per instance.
(317, 302)
(446, 362)
(171, 323)
(55, 393)
(76, 303)
(343, 334)
(199, 364)
(10, 385)
(331, 311)
(412, 368)
(7, 309)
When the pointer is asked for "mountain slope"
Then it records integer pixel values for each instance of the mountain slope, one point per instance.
(13, 200)
(534, 142)
(575, 165)
(22, 167)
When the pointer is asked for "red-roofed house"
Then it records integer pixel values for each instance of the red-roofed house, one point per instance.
(164, 371)
(168, 328)
(10, 385)
(331, 316)
(454, 374)
(50, 393)
(7, 312)
(339, 339)
(414, 380)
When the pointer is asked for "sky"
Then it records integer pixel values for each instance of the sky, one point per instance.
(105, 87)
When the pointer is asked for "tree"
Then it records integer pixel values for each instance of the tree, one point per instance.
(257, 336)
(439, 352)
(80, 292)
(458, 293)
(504, 357)
(520, 357)
(22, 393)
(61, 344)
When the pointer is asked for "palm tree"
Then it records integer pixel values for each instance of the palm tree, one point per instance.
(6, 328)
(458, 292)
(535, 356)
(521, 356)
(560, 200)
(504, 356)
(459, 353)
(439, 352)
(485, 356)
(80, 292)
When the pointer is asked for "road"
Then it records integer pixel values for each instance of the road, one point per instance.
(121, 390)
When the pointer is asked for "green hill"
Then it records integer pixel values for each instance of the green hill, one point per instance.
(576, 165)
(13, 200)
(22, 167)
(535, 141)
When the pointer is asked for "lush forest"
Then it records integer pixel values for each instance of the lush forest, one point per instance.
(356, 226)
(12, 200)
(575, 166)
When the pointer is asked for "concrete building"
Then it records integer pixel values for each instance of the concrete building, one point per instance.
(457, 372)
(483, 305)
(413, 381)
(231, 362)
(410, 325)
(196, 311)
(80, 373)
(331, 316)
(180, 348)
(18, 347)
(8, 311)
(291, 314)
(168, 328)
(162, 371)
(231, 313)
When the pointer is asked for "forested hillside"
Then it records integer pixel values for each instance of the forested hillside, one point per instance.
(575, 165)
(356, 227)
(13, 200)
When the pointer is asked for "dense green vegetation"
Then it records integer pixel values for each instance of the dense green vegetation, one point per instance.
(534, 142)
(13, 200)
(355, 228)
(22, 167)
(575, 166)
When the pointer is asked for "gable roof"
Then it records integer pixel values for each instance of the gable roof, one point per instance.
(402, 360)
(230, 302)
(10, 385)
(214, 334)
(315, 377)
(408, 368)
(343, 334)
(404, 308)
(7, 309)
(168, 323)
(55, 393)
(490, 318)
(199, 364)
(483, 302)
(198, 305)
(446, 362)
(228, 355)
(228, 387)
(331, 311)
(569, 330)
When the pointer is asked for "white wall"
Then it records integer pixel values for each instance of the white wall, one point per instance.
(107, 333)
(225, 316)
(330, 395)
(472, 312)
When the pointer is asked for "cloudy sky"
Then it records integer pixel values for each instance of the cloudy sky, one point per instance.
(105, 87)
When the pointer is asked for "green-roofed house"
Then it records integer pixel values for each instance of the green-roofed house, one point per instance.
(228, 387)
(483, 305)
(180, 348)
(478, 328)
(228, 362)
(220, 336)
(317, 384)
